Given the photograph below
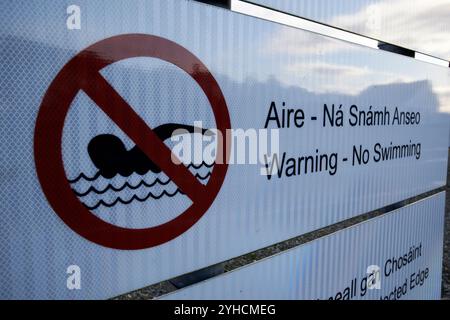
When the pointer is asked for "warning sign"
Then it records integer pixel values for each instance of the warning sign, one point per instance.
(82, 73)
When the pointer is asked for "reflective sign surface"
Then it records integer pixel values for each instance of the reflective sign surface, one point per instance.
(392, 257)
(414, 24)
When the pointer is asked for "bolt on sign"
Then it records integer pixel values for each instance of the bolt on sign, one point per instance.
(93, 119)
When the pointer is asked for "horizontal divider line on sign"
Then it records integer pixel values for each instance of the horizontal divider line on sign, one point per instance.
(219, 3)
(288, 19)
(164, 287)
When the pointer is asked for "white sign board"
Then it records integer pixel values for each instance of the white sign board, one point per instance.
(385, 20)
(395, 256)
(91, 95)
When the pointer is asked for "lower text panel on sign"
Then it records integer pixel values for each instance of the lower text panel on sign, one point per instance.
(394, 256)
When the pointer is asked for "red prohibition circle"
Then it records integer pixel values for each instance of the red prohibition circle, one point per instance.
(82, 72)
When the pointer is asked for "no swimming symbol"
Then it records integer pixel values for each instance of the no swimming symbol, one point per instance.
(82, 72)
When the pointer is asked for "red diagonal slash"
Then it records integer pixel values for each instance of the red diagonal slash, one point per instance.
(112, 103)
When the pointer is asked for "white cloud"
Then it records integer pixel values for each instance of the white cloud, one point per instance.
(292, 41)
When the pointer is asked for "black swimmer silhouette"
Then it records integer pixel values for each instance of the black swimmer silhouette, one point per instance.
(109, 155)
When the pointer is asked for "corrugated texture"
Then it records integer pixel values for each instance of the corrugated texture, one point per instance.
(419, 25)
(255, 62)
(322, 268)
